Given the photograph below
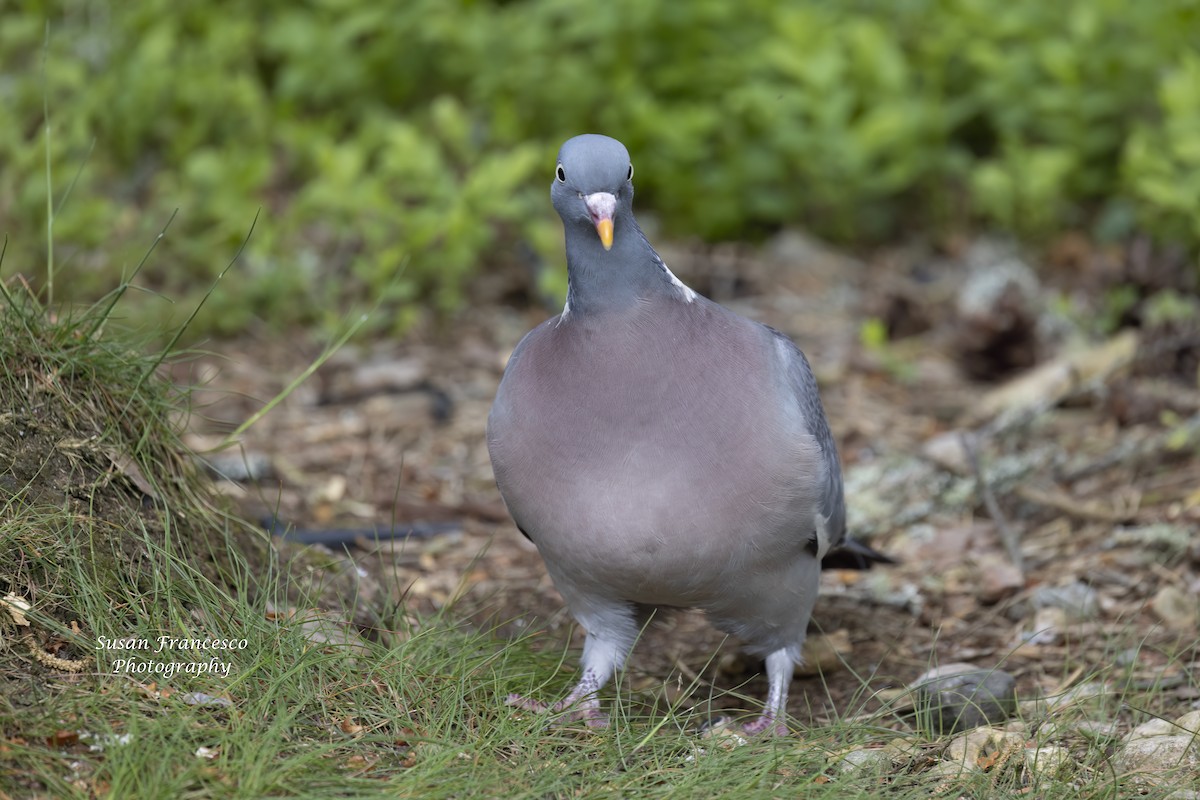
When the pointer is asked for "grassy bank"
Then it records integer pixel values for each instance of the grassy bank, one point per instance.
(127, 572)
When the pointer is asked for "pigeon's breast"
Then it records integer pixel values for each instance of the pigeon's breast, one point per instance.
(654, 456)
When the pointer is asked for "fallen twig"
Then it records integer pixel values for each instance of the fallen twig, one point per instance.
(1008, 535)
(1049, 383)
(1061, 501)
(1133, 453)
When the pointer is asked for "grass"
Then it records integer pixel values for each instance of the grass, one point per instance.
(108, 530)
(111, 534)
(112, 538)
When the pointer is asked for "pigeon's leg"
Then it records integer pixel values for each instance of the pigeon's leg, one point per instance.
(780, 665)
(602, 656)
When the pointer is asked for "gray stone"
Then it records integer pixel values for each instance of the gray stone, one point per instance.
(1179, 610)
(1160, 751)
(1048, 760)
(1077, 599)
(865, 760)
(1190, 722)
(1160, 759)
(950, 701)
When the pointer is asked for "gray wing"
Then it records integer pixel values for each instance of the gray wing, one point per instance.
(804, 386)
(500, 406)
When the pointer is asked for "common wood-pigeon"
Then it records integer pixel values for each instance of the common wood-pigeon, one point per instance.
(662, 451)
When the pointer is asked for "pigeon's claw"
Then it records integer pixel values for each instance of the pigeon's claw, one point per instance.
(766, 725)
(569, 709)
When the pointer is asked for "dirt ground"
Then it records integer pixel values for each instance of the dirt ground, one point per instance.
(1090, 472)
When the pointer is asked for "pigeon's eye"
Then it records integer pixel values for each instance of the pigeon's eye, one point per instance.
(629, 177)
(561, 174)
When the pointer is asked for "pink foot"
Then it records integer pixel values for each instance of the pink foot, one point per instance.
(766, 724)
(570, 709)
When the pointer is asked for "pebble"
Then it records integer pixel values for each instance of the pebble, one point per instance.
(957, 697)
(1177, 609)
(1090, 693)
(1078, 600)
(874, 759)
(1048, 760)
(1160, 751)
(970, 751)
(1048, 626)
(999, 578)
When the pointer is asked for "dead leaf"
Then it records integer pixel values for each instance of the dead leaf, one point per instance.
(63, 738)
(122, 464)
(16, 606)
(824, 653)
(357, 762)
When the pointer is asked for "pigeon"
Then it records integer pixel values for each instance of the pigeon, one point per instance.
(663, 452)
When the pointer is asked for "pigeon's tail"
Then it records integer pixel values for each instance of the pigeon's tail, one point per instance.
(853, 554)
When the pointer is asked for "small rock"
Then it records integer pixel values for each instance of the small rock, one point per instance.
(736, 661)
(204, 699)
(951, 698)
(1183, 794)
(905, 748)
(1091, 694)
(1158, 751)
(1048, 627)
(380, 374)
(1077, 599)
(874, 759)
(824, 653)
(1127, 657)
(943, 671)
(1178, 610)
(1099, 730)
(1034, 707)
(722, 732)
(976, 749)
(948, 773)
(996, 321)
(329, 631)
(999, 579)
(1160, 759)
(948, 451)
(1190, 722)
(1151, 729)
(1163, 538)
(1048, 760)
(239, 467)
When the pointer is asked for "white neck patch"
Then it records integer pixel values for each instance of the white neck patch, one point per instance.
(689, 294)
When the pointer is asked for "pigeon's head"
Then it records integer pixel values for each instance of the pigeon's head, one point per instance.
(593, 185)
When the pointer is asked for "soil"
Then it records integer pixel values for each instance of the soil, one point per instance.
(390, 437)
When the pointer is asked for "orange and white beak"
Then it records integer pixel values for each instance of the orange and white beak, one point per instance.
(601, 206)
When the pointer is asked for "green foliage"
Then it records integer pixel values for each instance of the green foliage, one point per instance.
(397, 149)
(1116, 303)
(873, 335)
(1168, 306)
(1162, 158)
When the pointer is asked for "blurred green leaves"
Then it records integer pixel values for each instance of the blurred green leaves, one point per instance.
(396, 149)
(1162, 159)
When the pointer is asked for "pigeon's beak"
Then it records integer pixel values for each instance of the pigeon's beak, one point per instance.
(605, 228)
(601, 206)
